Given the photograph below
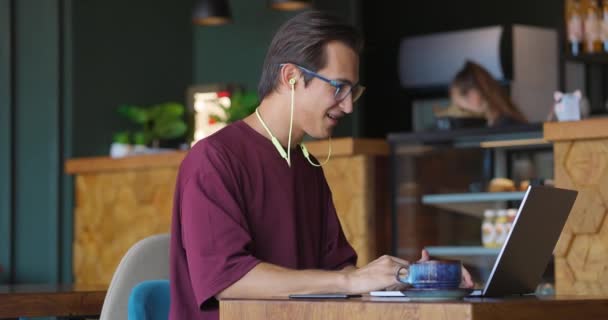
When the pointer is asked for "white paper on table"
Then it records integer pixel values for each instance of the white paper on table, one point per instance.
(387, 294)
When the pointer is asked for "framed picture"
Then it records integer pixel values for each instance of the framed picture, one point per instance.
(208, 104)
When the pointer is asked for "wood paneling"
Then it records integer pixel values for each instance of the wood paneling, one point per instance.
(576, 130)
(361, 208)
(348, 147)
(113, 211)
(102, 164)
(581, 163)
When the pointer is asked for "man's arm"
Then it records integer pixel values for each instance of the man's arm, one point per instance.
(268, 280)
(348, 268)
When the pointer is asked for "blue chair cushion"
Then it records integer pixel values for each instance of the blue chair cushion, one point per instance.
(150, 300)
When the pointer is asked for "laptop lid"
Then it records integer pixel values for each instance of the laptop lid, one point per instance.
(529, 246)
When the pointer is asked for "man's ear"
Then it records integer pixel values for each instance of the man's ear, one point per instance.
(289, 72)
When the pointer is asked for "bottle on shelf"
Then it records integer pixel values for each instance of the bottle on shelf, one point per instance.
(575, 27)
(605, 25)
(511, 214)
(488, 230)
(592, 28)
(501, 227)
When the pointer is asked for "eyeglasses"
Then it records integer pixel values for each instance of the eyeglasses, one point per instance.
(343, 89)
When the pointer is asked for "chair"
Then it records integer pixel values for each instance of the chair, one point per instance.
(149, 300)
(148, 259)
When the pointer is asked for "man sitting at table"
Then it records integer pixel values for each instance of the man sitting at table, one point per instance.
(254, 218)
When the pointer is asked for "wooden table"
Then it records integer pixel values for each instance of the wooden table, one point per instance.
(50, 300)
(367, 308)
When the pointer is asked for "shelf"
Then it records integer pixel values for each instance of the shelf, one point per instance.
(462, 251)
(472, 137)
(597, 58)
(472, 197)
(470, 203)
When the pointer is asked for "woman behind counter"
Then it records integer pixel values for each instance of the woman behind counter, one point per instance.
(475, 90)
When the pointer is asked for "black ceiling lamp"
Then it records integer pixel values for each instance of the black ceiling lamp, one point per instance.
(212, 13)
(290, 5)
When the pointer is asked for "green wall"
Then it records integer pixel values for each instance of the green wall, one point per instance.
(125, 52)
(65, 65)
(234, 53)
(5, 139)
(31, 140)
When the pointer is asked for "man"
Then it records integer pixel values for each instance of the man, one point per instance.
(254, 217)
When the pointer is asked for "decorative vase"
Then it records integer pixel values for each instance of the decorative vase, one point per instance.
(119, 150)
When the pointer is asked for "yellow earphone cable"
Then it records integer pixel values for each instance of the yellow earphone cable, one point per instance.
(307, 155)
(277, 144)
(274, 140)
(292, 82)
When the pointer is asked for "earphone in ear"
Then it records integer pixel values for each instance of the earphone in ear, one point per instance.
(292, 81)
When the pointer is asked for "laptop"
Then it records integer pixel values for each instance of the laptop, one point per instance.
(528, 248)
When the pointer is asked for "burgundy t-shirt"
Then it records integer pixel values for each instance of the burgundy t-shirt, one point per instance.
(236, 204)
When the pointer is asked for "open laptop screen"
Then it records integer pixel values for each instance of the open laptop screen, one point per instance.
(529, 246)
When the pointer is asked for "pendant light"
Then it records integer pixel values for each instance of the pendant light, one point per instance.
(212, 13)
(290, 5)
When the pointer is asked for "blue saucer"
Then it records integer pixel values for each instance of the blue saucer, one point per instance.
(436, 285)
(433, 294)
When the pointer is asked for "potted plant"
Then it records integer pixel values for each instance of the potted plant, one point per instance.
(158, 123)
(120, 145)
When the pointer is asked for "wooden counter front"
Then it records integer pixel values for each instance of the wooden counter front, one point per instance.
(581, 163)
(358, 177)
(117, 203)
(120, 201)
(370, 308)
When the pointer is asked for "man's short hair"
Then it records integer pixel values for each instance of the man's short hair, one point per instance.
(301, 40)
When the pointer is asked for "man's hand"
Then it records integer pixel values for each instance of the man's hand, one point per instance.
(467, 280)
(377, 275)
(424, 256)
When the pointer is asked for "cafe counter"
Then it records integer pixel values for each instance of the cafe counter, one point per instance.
(581, 163)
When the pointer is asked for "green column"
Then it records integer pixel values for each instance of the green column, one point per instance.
(36, 141)
(5, 140)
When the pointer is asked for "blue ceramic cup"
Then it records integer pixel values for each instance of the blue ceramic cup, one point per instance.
(433, 274)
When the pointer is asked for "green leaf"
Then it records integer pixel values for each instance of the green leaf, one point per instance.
(170, 130)
(158, 122)
(134, 113)
(140, 138)
(172, 109)
(121, 137)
